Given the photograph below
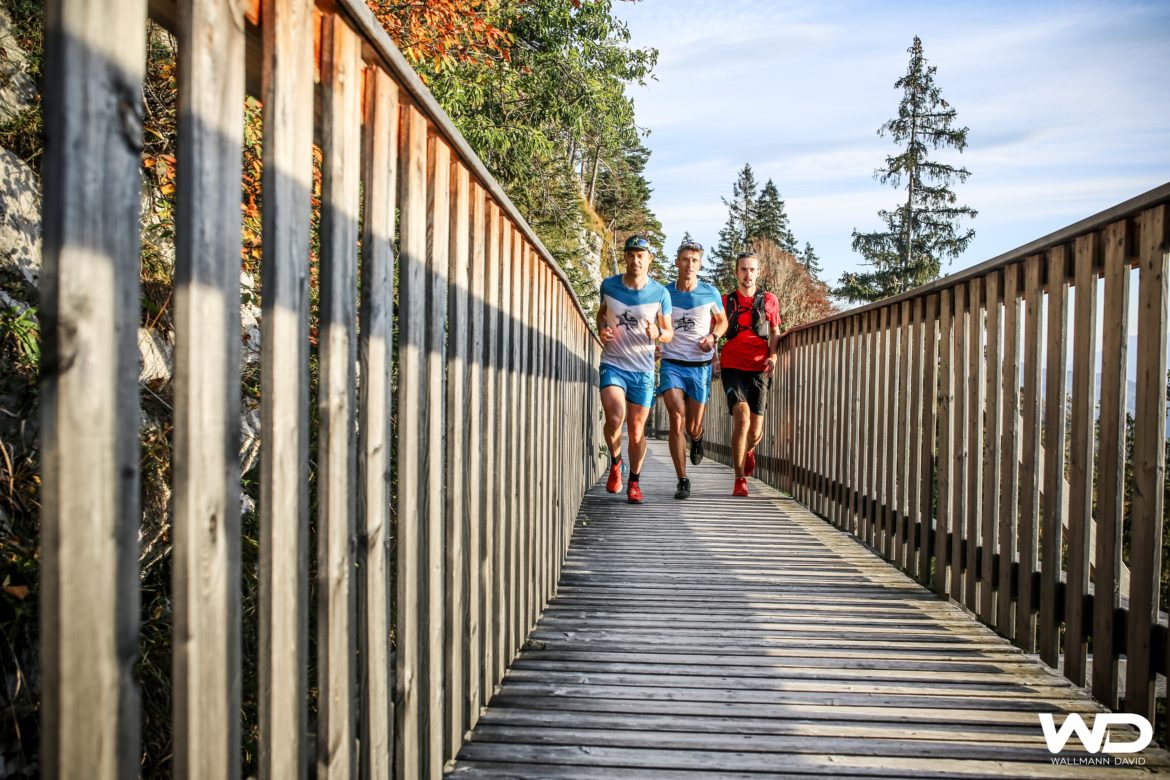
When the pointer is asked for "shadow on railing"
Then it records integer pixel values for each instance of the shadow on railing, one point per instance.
(495, 388)
(939, 426)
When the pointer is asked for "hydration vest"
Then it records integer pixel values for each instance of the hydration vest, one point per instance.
(760, 324)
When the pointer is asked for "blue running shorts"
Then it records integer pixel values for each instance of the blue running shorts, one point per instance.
(639, 385)
(693, 380)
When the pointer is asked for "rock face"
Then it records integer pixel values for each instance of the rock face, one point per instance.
(17, 91)
(20, 219)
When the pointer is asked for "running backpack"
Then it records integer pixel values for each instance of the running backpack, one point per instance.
(760, 324)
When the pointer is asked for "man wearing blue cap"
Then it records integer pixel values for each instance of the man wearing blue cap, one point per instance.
(685, 378)
(634, 316)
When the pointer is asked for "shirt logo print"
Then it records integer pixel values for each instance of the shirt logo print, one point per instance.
(686, 323)
(627, 321)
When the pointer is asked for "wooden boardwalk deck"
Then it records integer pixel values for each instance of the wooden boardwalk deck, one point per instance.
(722, 637)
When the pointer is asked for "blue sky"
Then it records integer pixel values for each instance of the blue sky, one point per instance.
(1068, 106)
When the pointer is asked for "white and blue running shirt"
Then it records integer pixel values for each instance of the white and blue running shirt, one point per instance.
(629, 312)
(691, 315)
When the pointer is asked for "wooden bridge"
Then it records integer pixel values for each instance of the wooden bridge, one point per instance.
(456, 434)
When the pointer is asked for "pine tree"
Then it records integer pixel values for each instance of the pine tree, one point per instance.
(769, 220)
(924, 229)
(733, 237)
(810, 261)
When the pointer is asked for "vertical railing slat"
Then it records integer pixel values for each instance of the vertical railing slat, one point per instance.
(1149, 464)
(375, 345)
(1030, 449)
(901, 462)
(1083, 403)
(928, 465)
(410, 739)
(1053, 454)
(432, 509)
(974, 449)
(456, 563)
(476, 475)
(989, 462)
(336, 470)
(206, 531)
(944, 509)
(1111, 464)
(287, 80)
(960, 440)
(89, 391)
(1009, 449)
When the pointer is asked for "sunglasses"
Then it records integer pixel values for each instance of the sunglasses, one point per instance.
(637, 242)
(690, 245)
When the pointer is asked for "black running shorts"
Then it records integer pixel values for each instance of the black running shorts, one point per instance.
(749, 387)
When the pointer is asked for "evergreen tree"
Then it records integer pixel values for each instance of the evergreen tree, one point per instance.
(924, 229)
(769, 220)
(734, 236)
(810, 261)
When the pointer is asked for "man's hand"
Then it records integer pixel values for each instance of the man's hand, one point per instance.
(607, 334)
(707, 343)
(652, 331)
(770, 365)
(715, 367)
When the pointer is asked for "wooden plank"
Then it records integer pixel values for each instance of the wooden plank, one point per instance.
(928, 472)
(1111, 463)
(959, 439)
(375, 345)
(915, 346)
(410, 736)
(504, 404)
(515, 400)
(284, 369)
(1054, 438)
(457, 567)
(491, 468)
(1083, 403)
(871, 409)
(989, 516)
(1009, 452)
(1030, 449)
(432, 514)
(901, 462)
(883, 439)
(89, 595)
(206, 531)
(1149, 460)
(475, 481)
(944, 512)
(974, 461)
(524, 475)
(336, 464)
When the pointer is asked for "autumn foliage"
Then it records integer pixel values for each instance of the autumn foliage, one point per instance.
(440, 33)
(802, 297)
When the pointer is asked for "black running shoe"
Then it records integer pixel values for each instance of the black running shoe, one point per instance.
(684, 488)
(696, 451)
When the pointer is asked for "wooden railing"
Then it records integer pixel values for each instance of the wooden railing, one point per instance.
(495, 397)
(938, 426)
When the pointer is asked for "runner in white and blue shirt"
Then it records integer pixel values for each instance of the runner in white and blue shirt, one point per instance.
(634, 316)
(685, 376)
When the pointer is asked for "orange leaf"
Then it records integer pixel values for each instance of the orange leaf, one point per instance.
(18, 592)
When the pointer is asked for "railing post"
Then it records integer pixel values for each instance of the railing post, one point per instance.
(89, 393)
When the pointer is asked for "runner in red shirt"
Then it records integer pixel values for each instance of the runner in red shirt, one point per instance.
(747, 363)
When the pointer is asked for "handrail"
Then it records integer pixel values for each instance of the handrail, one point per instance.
(485, 431)
(919, 423)
(1125, 209)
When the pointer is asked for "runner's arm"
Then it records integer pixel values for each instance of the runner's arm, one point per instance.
(604, 332)
(665, 328)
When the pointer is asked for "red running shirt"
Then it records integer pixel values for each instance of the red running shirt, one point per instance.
(747, 351)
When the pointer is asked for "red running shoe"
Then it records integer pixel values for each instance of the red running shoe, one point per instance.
(634, 494)
(740, 488)
(749, 463)
(614, 483)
